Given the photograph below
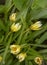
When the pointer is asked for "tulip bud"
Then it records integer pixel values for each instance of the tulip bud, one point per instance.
(13, 17)
(15, 27)
(36, 26)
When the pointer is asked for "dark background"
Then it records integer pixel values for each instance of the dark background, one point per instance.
(2, 2)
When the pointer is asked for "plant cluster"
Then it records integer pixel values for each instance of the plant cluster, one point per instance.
(23, 32)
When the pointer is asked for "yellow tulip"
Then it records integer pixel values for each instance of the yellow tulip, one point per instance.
(15, 27)
(21, 56)
(15, 49)
(36, 26)
(13, 17)
(38, 60)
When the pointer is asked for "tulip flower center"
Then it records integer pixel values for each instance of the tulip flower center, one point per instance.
(38, 60)
(14, 48)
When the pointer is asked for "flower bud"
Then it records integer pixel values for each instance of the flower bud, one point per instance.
(13, 17)
(15, 27)
(36, 26)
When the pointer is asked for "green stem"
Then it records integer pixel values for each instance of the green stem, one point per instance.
(1, 40)
(10, 8)
(19, 39)
(7, 36)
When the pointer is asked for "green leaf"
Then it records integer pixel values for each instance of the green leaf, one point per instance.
(2, 26)
(39, 3)
(8, 5)
(6, 49)
(39, 9)
(42, 38)
(2, 8)
(42, 4)
(22, 4)
(43, 51)
(38, 13)
(19, 3)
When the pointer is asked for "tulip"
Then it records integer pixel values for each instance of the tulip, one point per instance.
(13, 17)
(38, 60)
(15, 27)
(21, 56)
(36, 26)
(15, 49)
